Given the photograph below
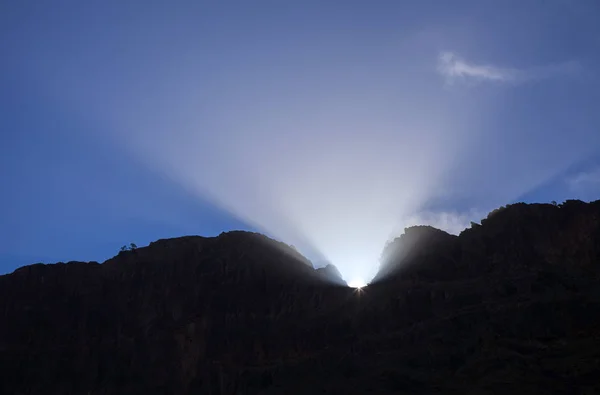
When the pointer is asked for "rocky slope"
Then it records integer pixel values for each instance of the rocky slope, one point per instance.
(509, 306)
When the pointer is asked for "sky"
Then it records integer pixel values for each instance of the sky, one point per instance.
(329, 125)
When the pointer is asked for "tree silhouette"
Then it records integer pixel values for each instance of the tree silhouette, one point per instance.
(132, 246)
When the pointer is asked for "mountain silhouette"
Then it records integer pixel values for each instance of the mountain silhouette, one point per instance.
(510, 305)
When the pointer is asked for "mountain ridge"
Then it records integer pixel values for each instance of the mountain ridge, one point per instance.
(508, 306)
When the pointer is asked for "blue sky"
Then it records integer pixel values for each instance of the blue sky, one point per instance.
(329, 125)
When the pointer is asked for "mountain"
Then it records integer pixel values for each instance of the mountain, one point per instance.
(508, 306)
(332, 274)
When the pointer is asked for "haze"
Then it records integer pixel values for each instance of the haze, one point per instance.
(327, 125)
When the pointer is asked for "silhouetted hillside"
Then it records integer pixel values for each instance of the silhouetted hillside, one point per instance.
(509, 306)
(332, 274)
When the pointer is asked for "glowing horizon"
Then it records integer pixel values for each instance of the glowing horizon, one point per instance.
(357, 283)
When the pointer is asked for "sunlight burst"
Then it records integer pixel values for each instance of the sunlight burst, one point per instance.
(357, 283)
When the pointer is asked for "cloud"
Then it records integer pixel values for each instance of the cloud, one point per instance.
(452, 67)
(455, 68)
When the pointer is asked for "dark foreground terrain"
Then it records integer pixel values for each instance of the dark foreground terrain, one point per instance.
(510, 306)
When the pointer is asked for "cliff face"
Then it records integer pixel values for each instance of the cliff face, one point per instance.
(509, 306)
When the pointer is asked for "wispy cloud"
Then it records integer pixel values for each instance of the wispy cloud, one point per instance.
(455, 68)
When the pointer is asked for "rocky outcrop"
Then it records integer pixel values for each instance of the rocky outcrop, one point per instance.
(332, 274)
(509, 306)
(420, 249)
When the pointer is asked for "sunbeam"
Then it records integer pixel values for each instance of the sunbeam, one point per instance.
(330, 142)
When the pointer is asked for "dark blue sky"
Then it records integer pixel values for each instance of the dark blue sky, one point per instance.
(330, 125)
(67, 195)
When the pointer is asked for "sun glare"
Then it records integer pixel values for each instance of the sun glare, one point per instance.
(357, 283)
